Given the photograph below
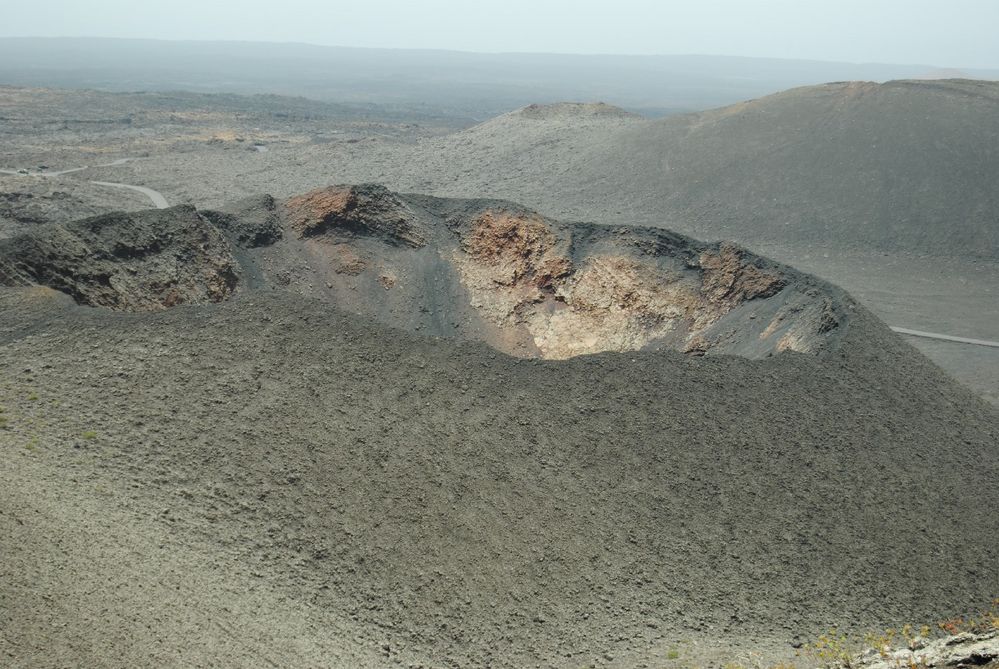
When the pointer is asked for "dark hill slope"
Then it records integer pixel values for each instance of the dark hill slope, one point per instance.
(471, 509)
(901, 166)
(458, 506)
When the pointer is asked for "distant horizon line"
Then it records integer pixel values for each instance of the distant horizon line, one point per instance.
(583, 54)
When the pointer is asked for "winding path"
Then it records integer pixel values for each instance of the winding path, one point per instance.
(158, 200)
(156, 197)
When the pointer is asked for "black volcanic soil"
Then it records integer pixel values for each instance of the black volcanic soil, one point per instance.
(465, 508)
(319, 488)
(275, 480)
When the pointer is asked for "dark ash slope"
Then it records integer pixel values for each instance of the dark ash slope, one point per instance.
(460, 507)
(473, 509)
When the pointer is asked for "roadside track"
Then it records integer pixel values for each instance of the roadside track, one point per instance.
(944, 337)
(156, 197)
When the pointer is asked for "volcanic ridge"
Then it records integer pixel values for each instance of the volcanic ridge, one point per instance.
(485, 270)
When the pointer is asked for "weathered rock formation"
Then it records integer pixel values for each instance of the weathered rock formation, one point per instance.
(143, 261)
(486, 270)
(534, 287)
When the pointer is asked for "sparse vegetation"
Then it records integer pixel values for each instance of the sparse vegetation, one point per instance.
(832, 649)
(985, 621)
(839, 651)
(89, 435)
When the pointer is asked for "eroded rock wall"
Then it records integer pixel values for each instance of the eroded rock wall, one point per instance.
(535, 287)
(145, 261)
(482, 270)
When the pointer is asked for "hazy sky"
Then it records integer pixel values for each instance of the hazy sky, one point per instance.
(961, 33)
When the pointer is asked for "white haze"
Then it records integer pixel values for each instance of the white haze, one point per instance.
(950, 33)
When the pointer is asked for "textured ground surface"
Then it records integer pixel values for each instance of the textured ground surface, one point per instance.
(606, 508)
(271, 480)
(393, 497)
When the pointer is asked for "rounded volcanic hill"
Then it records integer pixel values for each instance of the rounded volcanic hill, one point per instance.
(904, 165)
(572, 110)
(459, 433)
(900, 166)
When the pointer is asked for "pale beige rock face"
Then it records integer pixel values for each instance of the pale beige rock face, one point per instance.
(519, 275)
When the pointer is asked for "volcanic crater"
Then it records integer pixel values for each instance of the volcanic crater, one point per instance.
(486, 270)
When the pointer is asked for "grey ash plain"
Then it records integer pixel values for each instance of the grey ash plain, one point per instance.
(271, 480)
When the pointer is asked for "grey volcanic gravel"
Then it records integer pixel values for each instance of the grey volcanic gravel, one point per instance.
(465, 508)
